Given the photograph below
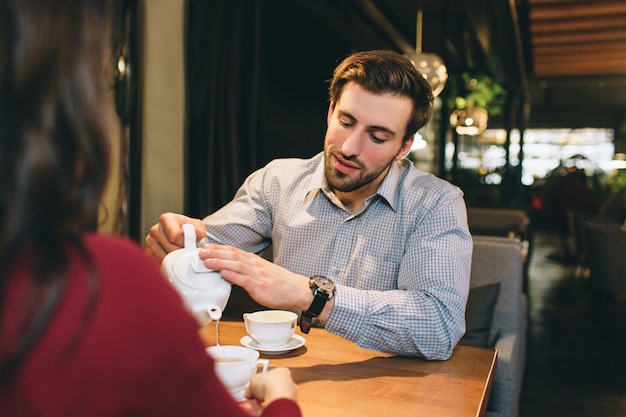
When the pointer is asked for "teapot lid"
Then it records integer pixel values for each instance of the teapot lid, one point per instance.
(189, 269)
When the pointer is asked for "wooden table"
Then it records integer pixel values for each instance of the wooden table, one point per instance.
(337, 378)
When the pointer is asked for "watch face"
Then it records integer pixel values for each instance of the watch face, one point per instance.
(324, 283)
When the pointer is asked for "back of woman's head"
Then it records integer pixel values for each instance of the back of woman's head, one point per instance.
(54, 145)
(54, 117)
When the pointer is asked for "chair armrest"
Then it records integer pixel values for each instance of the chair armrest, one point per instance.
(511, 347)
(507, 386)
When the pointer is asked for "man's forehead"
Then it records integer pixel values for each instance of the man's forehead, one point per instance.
(388, 112)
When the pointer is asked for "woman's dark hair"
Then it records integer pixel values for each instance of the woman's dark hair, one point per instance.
(54, 144)
(384, 72)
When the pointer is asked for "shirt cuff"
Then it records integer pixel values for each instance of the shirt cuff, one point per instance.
(349, 313)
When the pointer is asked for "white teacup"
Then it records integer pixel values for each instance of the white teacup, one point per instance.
(271, 328)
(235, 365)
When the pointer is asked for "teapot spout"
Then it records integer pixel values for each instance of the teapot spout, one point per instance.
(207, 315)
(215, 313)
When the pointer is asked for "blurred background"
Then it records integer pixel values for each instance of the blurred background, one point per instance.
(210, 91)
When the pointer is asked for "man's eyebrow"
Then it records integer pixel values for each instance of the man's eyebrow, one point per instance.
(345, 113)
(383, 129)
(372, 127)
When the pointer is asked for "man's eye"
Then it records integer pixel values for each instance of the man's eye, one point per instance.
(344, 122)
(376, 139)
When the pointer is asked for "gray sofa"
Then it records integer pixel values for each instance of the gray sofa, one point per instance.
(499, 260)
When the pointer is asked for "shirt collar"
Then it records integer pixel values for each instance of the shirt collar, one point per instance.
(318, 180)
(386, 190)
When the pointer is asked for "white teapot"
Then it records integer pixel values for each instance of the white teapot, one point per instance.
(204, 291)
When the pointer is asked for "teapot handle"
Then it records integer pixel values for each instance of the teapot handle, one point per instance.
(189, 231)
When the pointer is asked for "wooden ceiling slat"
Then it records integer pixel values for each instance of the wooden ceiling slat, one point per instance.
(573, 70)
(588, 58)
(555, 70)
(615, 47)
(560, 70)
(578, 56)
(585, 64)
(578, 37)
(592, 60)
(598, 36)
(615, 22)
(596, 59)
(617, 51)
(590, 10)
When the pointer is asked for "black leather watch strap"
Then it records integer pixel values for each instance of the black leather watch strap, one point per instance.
(319, 301)
(305, 322)
(320, 298)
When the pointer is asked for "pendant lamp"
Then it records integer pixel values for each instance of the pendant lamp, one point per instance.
(430, 65)
(471, 121)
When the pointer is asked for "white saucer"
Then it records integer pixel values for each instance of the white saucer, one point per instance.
(294, 343)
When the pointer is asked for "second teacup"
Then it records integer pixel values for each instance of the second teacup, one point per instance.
(235, 365)
(271, 327)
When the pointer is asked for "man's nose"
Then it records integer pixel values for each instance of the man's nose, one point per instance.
(352, 145)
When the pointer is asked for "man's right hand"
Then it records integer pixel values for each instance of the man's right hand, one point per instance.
(167, 235)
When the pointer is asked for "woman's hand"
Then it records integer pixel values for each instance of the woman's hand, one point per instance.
(272, 385)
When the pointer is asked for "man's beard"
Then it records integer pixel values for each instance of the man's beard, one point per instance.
(342, 182)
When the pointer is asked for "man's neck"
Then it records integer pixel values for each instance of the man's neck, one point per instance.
(354, 200)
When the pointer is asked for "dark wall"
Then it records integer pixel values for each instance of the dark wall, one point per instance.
(281, 115)
(299, 53)
(257, 75)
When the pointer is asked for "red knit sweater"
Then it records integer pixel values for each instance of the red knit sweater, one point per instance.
(139, 355)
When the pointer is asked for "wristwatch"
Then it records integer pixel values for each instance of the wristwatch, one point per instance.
(323, 290)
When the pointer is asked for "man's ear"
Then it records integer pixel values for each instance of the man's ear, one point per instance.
(406, 148)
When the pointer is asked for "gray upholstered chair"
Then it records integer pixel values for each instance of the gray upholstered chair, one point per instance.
(507, 222)
(498, 222)
(498, 260)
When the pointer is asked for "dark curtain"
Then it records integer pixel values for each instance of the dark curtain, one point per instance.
(223, 73)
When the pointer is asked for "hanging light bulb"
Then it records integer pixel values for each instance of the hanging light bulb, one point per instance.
(431, 66)
(471, 121)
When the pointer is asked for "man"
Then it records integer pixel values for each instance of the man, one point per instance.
(363, 242)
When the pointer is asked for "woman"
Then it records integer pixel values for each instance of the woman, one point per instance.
(86, 326)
